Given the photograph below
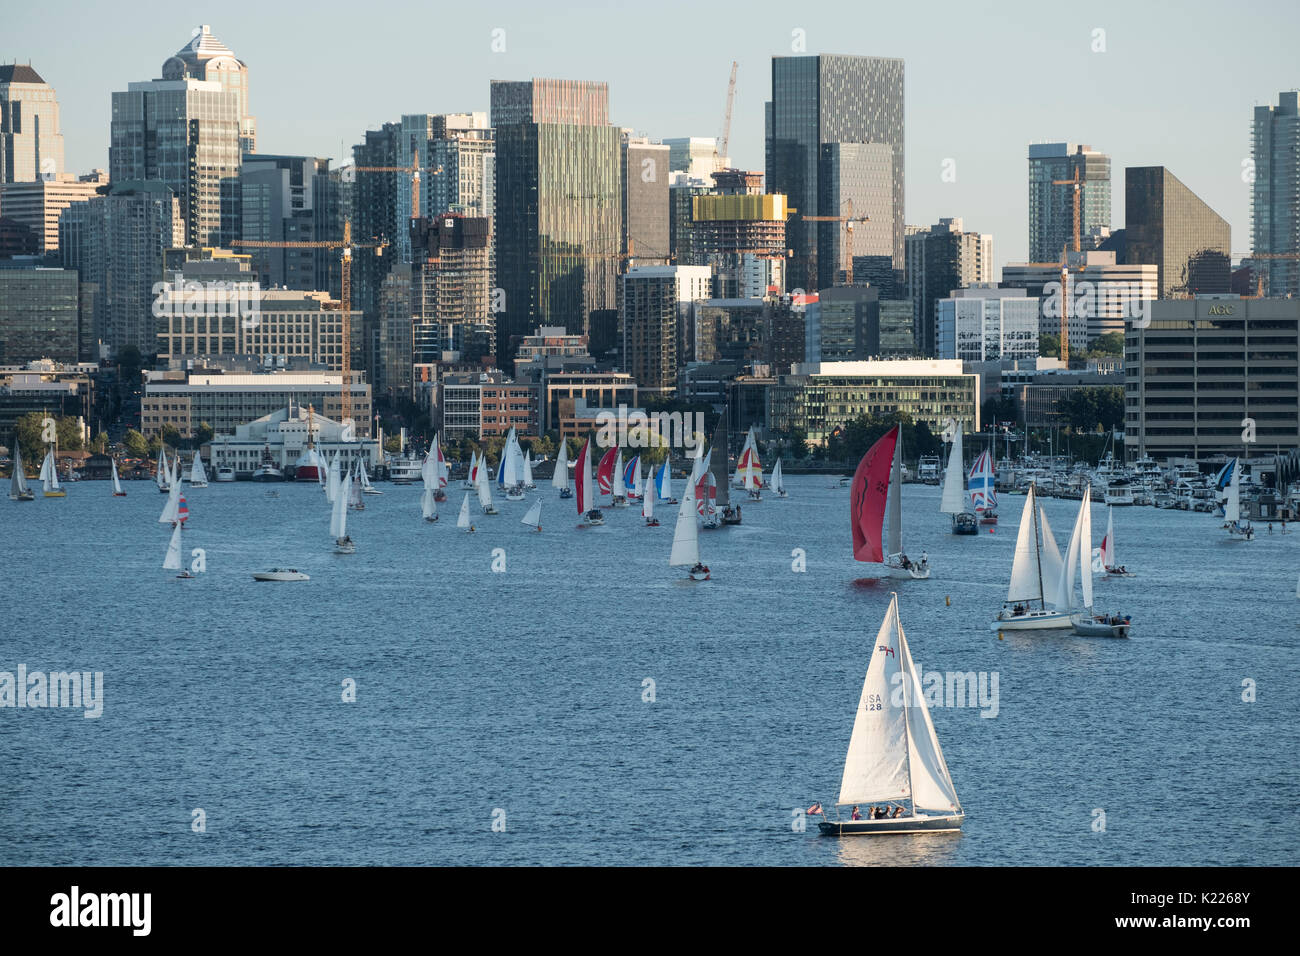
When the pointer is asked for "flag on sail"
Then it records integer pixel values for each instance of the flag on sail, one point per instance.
(983, 493)
(868, 495)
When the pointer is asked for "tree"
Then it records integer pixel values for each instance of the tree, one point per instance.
(155, 445)
(1087, 407)
(204, 433)
(171, 435)
(136, 444)
(393, 444)
(1000, 409)
(1049, 346)
(797, 442)
(100, 444)
(1112, 343)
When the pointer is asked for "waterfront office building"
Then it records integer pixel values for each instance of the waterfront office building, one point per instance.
(558, 211)
(1275, 198)
(39, 204)
(986, 322)
(285, 432)
(1208, 371)
(821, 100)
(41, 315)
(1051, 206)
(31, 146)
(1168, 226)
(1103, 296)
(818, 397)
(482, 405)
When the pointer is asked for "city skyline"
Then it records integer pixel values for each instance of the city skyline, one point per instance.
(1144, 53)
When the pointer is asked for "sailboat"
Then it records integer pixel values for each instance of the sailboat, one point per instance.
(1035, 576)
(954, 501)
(162, 472)
(471, 473)
(648, 507)
(182, 510)
(560, 479)
(366, 487)
(50, 476)
(18, 490)
(1237, 528)
(1078, 554)
(632, 478)
(117, 483)
(619, 497)
(534, 516)
(343, 543)
(198, 477)
(172, 562)
(1105, 562)
(484, 489)
(879, 478)
(894, 757)
(749, 470)
(528, 471)
(706, 497)
(718, 465)
(428, 506)
(686, 535)
(778, 482)
(355, 501)
(333, 478)
(586, 501)
(171, 510)
(439, 469)
(983, 490)
(462, 522)
(664, 481)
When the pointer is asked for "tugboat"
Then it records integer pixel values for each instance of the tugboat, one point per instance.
(268, 471)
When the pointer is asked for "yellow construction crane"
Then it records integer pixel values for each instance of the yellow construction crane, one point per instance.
(346, 245)
(1077, 183)
(720, 145)
(849, 219)
(413, 169)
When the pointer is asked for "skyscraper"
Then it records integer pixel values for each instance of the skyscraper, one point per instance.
(1167, 225)
(656, 305)
(1275, 203)
(558, 206)
(185, 131)
(1051, 207)
(820, 100)
(941, 259)
(277, 204)
(857, 180)
(643, 169)
(31, 146)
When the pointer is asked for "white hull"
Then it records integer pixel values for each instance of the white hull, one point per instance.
(1033, 621)
(280, 576)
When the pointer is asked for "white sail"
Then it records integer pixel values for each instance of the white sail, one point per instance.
(197, 474)
(332, 479)
(619, 491)
(638, 487)
(528, 470)
(1232, 507)
(429, 470)
(1025, 570)
(354, 490)
(1085, 549)
(339, 512)
(932, 787)
(484, 488)
(1106, 553)
(894, 543)
(1073, 552)
(665, 489)
(17, 480)
(686, 536)
(1051, 562)
(117, 484)
(463, 520)
(361, 473)
(511, 462)
(648, 502)
(954, 479)
(534, 516)
(561, 477)
(160, 475)
(428, 506)
(47, 466)
(778, 483)
(173, 560)
(171, 510)
(875, 769)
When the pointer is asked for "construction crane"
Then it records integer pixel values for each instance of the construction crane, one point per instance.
(413, 169)
(1077, 183)
(849, 219)
(720, 145)
(345, 295)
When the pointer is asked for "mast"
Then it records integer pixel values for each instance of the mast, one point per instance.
(896, 499)
(907, 694)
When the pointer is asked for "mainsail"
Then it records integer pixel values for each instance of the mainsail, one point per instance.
(560, 479)
(718, 459)
(1026, 572)
(954, 494)
(686, 535)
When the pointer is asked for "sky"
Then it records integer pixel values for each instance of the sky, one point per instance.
(1149, 82)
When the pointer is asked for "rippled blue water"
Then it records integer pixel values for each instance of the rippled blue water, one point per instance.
(522, 691)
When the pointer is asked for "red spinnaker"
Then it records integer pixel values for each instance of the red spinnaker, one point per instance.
(605, 473)
(584, 477)
(867, 499)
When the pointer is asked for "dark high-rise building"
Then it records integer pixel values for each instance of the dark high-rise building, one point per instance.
(1275, 204)
(278, 197)
(820, 100)
(643, 169)
(559, 219)
(1168, 226)
(940, 259)
(857, 180)
(40, 314)
(376, 209)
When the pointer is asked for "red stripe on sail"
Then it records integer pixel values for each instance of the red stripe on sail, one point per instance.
(605, 474)
(868, 496)
(584, 474)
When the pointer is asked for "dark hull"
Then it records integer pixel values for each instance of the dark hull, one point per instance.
(898, 827)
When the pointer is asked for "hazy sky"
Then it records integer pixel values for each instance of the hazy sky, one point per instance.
(1174, 86)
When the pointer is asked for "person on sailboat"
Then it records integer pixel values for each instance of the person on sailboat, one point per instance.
(925, 560)
(700, 568)
(814, 810)
(856, 815)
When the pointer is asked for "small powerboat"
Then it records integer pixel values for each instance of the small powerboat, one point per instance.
(280, 574)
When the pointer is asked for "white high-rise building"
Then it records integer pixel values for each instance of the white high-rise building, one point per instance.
(985, 322)
(31, 146)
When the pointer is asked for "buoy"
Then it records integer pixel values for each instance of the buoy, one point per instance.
(947, 600)
(999, 635)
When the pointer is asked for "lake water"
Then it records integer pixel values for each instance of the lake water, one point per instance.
(518, 696)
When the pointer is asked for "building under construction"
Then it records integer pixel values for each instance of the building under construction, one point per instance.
(741, 233)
